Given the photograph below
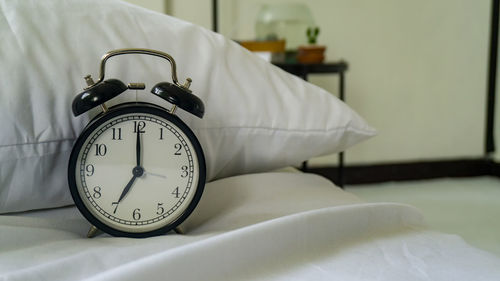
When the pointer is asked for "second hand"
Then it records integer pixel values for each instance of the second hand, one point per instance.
(154, 174)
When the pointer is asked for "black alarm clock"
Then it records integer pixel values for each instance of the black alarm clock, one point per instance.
(136, 170)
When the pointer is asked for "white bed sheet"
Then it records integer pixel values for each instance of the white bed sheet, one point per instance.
(272, 226)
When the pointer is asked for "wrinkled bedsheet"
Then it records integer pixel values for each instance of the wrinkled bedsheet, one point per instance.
(271, 226)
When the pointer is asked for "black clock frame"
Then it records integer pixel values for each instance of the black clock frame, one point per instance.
(126, 108)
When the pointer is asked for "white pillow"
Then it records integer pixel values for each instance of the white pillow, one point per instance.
(257, 116)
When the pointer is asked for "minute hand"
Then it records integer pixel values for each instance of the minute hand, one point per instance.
(138, 147)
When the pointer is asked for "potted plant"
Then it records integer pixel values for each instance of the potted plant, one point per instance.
(311, 53)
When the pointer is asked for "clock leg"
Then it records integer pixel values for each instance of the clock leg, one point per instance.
(92, 232)
(179, 230)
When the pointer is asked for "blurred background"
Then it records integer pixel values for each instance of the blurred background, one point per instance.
(422, 72)
(418, 70)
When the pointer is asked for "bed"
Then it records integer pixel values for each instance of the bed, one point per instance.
(267, 226)
(253, 222)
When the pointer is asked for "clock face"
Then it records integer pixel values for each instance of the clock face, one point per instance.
(137, 171)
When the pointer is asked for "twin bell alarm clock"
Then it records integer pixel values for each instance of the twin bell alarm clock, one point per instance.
(136, 170)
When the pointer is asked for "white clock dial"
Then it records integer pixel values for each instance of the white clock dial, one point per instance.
(137, 172)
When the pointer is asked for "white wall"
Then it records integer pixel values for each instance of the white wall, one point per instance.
(195, 11)
(417, 69)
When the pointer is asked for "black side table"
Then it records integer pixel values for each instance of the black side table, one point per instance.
(303, 70)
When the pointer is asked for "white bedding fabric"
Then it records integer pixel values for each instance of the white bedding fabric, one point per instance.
(273, 226)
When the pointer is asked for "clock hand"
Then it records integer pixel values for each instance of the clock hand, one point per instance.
(137, 172)
(127, 188)
(154, 174)
(138, 147)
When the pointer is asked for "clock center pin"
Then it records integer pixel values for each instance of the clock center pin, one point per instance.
(138, 171)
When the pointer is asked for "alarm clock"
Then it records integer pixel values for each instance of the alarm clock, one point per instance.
(137, 170)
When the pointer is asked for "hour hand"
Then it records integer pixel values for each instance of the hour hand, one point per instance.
(127, 188)
(137, 172)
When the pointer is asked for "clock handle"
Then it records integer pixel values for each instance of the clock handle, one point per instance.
(150, 52)
(97, 93)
